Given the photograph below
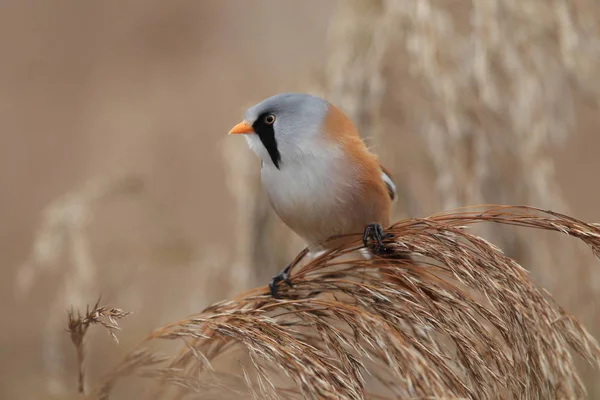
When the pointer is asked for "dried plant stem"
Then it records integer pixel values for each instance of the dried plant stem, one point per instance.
(78, 326)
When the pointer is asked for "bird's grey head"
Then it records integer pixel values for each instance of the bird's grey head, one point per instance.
(286, 127)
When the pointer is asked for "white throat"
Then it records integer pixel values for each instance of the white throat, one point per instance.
(306, 172)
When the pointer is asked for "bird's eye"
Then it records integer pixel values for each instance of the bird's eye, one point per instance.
(270, 119)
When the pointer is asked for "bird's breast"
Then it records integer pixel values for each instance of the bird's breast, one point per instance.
(317, 198)
(296, 188)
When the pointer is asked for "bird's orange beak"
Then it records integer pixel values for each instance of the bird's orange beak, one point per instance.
(241, 128)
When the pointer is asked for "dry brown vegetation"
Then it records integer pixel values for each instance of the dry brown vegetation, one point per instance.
(466, 103)
(461, 321)
(78, 325)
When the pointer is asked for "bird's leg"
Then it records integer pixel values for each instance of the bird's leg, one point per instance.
(375, 232)
(283, 275)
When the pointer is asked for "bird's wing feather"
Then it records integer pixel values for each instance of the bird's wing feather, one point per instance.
(387, 178)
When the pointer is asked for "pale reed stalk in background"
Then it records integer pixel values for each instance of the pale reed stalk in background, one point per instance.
(489, 89)
(242, 182)
(64, 248)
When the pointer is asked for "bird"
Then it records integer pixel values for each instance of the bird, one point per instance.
(319, 175)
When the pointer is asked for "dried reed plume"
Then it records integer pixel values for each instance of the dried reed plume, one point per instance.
(461, 320)
(78, 326)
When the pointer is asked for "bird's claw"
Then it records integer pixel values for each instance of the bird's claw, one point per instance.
(283, 275)
(376, 233)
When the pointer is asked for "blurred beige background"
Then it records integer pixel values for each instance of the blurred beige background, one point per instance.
(98, 91)
(145, 88)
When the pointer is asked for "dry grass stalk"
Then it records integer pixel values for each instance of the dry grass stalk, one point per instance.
(461, 321)
(78, 326)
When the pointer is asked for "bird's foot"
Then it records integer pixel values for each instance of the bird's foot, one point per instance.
(283, 275)
(375, 232)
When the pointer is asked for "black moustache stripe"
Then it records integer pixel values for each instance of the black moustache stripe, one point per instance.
(266, 133)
